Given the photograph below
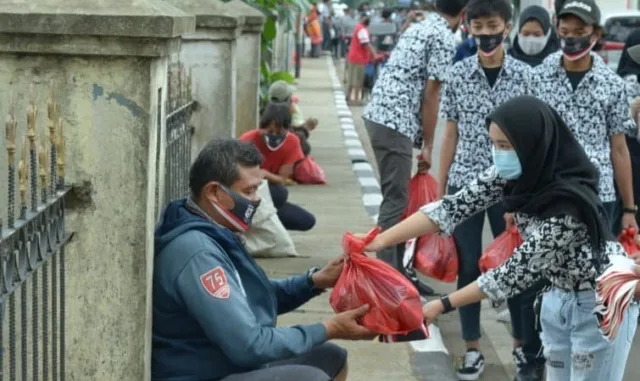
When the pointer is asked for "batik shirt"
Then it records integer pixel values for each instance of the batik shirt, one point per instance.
(556, 248)
(468, 99)
(597, 109)
(423, 52)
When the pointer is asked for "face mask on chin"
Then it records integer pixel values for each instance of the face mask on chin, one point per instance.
(241, 215)
(488, 44)
(574, 48)
(532, 45)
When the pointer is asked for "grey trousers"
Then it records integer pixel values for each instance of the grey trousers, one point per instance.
(393, 154)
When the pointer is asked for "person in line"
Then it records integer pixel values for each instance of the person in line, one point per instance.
(360, 53)
(475, 87)
(281, 92)
(536, 38)
(314, 30)
(385, 43)
(592, 100)
(214, 309)
(325, 16)
(629, 70)
(281, 150)
(403, 111)
(542, 174)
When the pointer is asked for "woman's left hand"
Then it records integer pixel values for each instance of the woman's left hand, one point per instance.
(432, 311)
(629, 221)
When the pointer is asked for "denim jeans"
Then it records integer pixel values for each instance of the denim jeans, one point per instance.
(573, 345)
(292, 216)
(468, 237)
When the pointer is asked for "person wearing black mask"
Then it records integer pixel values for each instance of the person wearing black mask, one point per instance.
(592, 99)
(629, 70)
(541, 173)
(281, 150)
(536, 37)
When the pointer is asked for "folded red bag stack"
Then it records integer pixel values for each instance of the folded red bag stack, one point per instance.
(394, 303)
(614, 292)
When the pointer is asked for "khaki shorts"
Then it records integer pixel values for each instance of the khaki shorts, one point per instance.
(356, 75)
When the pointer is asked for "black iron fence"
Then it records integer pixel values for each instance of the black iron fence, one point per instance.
(32, 241)
(180, 106)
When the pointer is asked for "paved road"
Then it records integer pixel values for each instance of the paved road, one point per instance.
(496, 341)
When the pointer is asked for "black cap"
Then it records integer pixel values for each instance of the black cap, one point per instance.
(585, 10)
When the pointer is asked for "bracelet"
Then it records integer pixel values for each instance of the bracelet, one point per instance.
(446, 303)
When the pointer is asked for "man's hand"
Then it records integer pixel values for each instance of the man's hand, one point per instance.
(432, 311)
(345, 326)
(629, 221)
(328, 276)
(509, 220)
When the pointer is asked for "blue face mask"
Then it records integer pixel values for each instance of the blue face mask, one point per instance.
(507, 163)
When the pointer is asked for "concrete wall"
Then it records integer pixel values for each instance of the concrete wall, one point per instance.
(248, 82)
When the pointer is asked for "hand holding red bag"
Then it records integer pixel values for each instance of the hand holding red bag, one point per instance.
(628, 240)
(394, 303)
(423, 189)
(500, 250)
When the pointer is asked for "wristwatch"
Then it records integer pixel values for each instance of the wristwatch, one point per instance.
(447, 304)
(630, 210)
(310, 273)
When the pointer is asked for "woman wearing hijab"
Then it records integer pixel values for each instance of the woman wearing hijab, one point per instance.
(536, 37)
(543, 176)
(629, 69)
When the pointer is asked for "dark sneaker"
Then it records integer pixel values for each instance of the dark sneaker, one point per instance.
(530, 373)
(472, 366)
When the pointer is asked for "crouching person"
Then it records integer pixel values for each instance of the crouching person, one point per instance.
(214, 309)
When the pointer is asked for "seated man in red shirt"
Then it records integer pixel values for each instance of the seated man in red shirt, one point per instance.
(281, 150)
(360, 53)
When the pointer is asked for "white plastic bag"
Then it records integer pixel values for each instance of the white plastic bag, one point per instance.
(267, 237)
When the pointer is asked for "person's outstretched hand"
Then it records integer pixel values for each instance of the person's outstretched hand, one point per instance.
(373, 246)
(432, 311)
(345, 326)
(328, 276)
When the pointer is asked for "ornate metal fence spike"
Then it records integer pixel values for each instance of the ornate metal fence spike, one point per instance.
(52, 111)
(10, 129)
(60, 154)
(32, 113)
(44, 165)
(23, 176)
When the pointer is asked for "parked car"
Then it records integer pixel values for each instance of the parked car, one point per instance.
(618, 26)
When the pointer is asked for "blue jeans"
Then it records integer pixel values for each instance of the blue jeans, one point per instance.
(523, 323)
(573, 345)
(468, 237)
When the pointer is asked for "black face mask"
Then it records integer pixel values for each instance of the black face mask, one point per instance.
(487, 43)
(575, 45)
(242, 212)
(274, 142)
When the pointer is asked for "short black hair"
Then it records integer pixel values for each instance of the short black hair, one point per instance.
(219, 161)
(277, 112)
(386, 13)
(450, 7)
(489, 8)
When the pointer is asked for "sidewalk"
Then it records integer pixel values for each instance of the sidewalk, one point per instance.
(338, 207)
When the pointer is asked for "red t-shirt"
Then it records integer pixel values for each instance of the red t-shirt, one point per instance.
(289, 153)
(358, 49)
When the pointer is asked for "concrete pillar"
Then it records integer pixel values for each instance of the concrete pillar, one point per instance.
(210, 54)
(108, 63)
(248, 66)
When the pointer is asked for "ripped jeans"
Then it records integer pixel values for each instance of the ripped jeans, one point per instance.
(573, 345)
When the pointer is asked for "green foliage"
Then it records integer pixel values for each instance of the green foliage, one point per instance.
(274, 11)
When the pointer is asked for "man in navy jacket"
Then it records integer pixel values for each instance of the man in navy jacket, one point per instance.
(214, 309)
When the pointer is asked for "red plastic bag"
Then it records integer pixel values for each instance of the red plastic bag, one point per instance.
(500, 249)
(628, 240)
(423, 189)
(307, 171)
(394, 302)
(436, 256)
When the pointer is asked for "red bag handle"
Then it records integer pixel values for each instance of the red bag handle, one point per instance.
(353, 245)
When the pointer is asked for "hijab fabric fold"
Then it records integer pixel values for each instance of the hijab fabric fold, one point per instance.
(627, 66)
(557, 176)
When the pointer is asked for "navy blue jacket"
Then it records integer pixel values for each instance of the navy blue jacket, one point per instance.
(467, 48)
(214, 309)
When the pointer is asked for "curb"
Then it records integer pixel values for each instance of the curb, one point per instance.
(430, 359)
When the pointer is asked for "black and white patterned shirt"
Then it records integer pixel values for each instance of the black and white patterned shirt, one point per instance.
(468, 98)
(556, 248)
(594, 111)
(424, 52)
